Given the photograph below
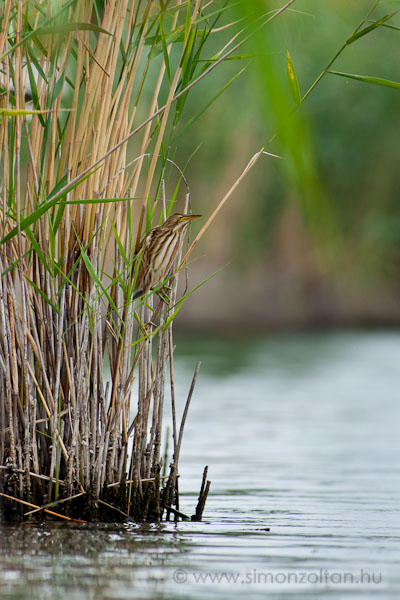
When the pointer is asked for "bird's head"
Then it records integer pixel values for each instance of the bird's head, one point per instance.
(179, 220)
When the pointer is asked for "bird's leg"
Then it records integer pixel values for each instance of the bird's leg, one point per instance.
(164, 298)
(145, 328)
(163, 294)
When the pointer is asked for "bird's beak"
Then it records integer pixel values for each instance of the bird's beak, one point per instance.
(189, 218)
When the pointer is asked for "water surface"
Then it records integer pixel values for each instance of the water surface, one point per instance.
(300, 433)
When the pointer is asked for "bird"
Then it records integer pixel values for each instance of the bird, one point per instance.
(158, 251)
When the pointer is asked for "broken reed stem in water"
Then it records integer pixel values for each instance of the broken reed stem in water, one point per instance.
(205, 488)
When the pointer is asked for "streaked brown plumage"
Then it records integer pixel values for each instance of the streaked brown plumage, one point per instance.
(158, 251)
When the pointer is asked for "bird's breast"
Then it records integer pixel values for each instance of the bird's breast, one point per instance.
(166, 253)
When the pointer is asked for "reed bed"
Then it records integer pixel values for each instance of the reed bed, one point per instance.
(76, 200)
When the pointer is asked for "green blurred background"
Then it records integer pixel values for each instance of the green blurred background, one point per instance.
(314, 239)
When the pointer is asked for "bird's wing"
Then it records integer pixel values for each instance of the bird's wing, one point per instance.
(144, 255)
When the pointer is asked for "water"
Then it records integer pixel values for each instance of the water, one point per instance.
(301, 437)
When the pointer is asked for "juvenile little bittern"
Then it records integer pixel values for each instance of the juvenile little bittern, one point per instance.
(158, 251)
